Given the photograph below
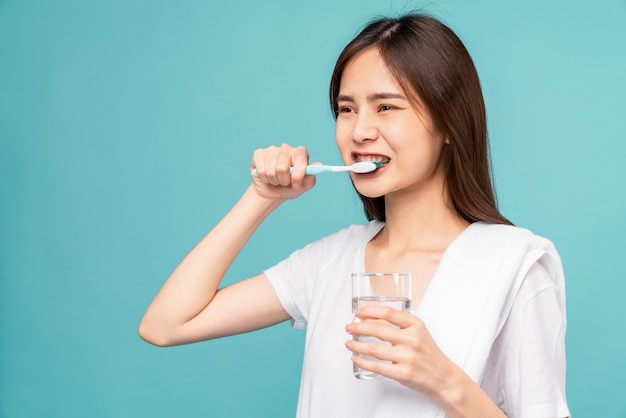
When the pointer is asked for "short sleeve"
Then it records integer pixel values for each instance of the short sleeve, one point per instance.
(288, 278)
(305, 273)
(525, 372)
(294, 278)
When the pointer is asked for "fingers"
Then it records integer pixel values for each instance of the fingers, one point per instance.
(381, 330)
(393, 361)
(376, 357)
(299, 162)
(390, 325)
(389, 364)
(394, 316)
(380, 346)
(378, 367)
(273, 165)
(406, 351)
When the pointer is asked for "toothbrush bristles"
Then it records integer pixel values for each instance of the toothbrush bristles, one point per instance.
(365, 166)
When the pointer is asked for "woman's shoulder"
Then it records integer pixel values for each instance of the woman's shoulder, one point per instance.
(346, 240)
(503, 232)
(367, 229)
(506, 242)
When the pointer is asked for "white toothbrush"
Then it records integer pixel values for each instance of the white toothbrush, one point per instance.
(360, 167)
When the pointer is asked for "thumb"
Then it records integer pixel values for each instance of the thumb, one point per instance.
(308, 182)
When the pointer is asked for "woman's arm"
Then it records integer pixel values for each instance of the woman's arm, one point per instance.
(529, 353)
(417, 362)
(189, 307)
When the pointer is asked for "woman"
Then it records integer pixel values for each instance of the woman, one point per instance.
(487, 337)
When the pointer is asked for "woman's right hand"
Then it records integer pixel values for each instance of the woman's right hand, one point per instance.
(274, 181)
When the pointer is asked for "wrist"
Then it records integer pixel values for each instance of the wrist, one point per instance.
(464, 398)
(452, 396)
(255, 200)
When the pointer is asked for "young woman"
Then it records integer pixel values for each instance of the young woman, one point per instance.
(487, 336)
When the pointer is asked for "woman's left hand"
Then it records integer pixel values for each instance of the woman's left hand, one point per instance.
(415, 359)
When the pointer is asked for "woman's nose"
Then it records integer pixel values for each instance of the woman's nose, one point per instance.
(364, 129)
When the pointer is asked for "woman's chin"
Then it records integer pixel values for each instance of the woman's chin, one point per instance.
(371, 194)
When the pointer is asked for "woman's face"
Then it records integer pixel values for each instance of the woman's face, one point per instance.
(377, 122)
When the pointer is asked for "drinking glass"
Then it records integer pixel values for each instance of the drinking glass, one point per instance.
(376, 289)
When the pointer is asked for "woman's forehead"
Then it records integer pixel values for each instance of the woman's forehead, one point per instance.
(367, 73)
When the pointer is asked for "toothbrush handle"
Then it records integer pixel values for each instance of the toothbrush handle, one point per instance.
(317, 169)
(311, 170)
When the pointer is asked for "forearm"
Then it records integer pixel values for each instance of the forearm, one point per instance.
(194, 282)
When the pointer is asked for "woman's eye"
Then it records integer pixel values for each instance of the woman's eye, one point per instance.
(345, 109)
(384, 108)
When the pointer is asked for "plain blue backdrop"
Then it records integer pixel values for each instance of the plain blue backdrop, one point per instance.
(126, 131)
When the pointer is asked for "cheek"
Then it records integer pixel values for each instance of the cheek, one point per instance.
(341, 127)
(342, 135)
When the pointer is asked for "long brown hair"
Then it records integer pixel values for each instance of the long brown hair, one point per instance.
(428, 59)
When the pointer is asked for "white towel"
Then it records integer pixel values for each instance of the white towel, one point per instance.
(469, 299)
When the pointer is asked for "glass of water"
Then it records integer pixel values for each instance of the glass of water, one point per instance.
(376, 289)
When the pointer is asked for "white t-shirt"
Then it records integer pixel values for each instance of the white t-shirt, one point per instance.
(524, 373)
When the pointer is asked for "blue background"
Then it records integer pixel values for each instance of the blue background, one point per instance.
(126, 131)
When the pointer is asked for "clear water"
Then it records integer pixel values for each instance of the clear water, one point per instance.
(400, 303)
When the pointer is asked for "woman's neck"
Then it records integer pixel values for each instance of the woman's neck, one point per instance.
(420, 222)
(417, 232)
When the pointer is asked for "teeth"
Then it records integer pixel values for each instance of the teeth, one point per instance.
(372, 158)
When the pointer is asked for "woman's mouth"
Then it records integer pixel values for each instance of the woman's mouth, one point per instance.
(381, 160)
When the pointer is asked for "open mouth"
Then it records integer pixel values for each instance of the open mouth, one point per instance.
(381, 160)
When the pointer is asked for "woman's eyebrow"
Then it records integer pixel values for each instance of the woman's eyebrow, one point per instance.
(372, 97)
(379, 96)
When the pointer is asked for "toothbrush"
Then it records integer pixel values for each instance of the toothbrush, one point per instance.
(360, 167)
